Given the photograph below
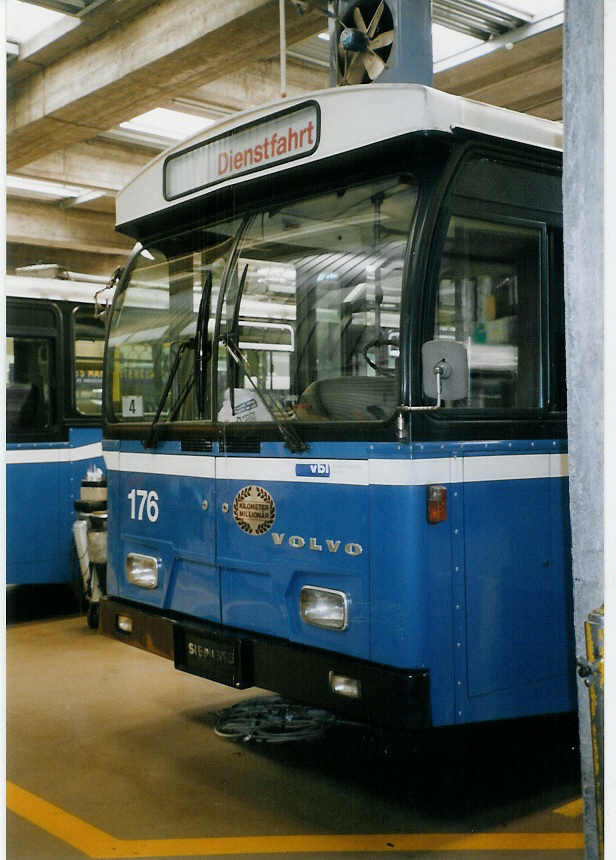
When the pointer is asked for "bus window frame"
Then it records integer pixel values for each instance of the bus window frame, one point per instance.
(472, 423)
(79, 418)
(307, 429)
(16, 328)
(557, 399)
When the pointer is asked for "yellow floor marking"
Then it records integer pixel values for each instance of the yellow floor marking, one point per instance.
(571, 810)
(96, 843)
(84, 837)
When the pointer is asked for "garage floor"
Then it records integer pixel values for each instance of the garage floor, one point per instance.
(112, 753)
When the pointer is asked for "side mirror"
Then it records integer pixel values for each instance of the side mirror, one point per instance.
(101, 307)
(445, 370)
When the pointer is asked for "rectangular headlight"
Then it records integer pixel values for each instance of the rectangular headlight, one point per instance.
(324, 607)
(141, 570)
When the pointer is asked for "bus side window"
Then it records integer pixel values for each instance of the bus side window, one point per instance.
(28, 388)
(488, 298)
(88, 346)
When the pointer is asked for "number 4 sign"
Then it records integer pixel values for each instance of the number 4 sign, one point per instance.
(132, 406)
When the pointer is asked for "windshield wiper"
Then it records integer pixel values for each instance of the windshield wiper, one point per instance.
(152, 439)
(202, 346)
(288, 432)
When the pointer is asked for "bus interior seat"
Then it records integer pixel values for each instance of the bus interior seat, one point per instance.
(349, 398)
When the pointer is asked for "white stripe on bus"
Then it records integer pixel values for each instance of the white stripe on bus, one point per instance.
(441, 470)
(178, 465)
(53, 455)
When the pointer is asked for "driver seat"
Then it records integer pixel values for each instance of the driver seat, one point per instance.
(349, 398)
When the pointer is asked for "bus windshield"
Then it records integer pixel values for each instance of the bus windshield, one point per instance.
(296, 305)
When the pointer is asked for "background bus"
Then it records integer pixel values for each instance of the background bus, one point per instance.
(54, 370)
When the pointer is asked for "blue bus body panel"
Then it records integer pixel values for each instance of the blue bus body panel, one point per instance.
(315, 530)
(42, 482)
(182, 537)
(481, 600)
(514, 580)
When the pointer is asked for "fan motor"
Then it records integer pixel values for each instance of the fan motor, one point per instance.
(352, 39)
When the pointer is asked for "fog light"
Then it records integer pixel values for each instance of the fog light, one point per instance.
(142, 570)
(324, 607)
(343, 686)
(124, 623)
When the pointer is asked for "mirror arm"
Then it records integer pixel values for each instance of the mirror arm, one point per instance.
(441, 370)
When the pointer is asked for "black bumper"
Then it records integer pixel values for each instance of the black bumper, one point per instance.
(391, 698)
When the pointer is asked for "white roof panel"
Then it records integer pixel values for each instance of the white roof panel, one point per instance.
(350, 118)
(54, 289)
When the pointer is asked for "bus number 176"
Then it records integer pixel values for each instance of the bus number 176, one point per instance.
(141, 500)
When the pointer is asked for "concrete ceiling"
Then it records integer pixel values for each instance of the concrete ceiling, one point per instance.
(73, 84)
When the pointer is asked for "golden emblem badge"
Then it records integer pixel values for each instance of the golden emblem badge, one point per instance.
(254, 510)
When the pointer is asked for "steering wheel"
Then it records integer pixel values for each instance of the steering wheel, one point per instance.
(378, 341)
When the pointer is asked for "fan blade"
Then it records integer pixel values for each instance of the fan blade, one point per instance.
(359, 20)
(382, 40)
(375, 19)
(373, 63)
(354, 73)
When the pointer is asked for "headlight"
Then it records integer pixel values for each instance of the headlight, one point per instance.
(142, 570)
(324, 607)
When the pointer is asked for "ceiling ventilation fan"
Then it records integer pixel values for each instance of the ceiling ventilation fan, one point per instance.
(365, 37)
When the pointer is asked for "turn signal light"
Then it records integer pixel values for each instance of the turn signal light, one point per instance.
(437, 504)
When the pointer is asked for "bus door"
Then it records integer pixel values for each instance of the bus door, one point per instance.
(510, 512)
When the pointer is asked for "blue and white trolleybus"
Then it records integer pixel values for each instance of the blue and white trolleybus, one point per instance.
(54, 380)
(335, 426)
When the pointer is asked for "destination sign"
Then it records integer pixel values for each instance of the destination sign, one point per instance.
(276, 139)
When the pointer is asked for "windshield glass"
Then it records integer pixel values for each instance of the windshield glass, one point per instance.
(302, 320)
(154, 326)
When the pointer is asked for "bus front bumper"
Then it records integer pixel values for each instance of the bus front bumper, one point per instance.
(354, 689)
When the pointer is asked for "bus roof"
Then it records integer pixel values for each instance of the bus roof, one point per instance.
(295, 132)
(54, 289)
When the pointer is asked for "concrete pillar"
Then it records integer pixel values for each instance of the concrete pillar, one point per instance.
(587, 256)
(610, 414)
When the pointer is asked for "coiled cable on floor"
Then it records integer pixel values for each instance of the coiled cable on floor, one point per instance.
(272, 720)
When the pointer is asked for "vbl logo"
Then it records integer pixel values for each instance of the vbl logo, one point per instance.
(312, 470)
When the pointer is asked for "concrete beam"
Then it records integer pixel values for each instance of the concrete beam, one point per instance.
(103, 165)
(69, 33)
(547, 104)
(66, 258)
(172, 47)
(506, 77)
(257, 84)
(46, 225)
(512, 86)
